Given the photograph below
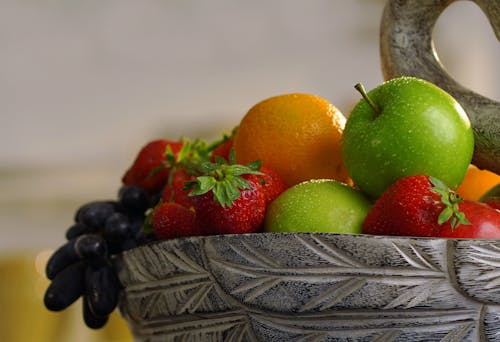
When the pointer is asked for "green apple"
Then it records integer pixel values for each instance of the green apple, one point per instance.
(319, 205)
(403, 127)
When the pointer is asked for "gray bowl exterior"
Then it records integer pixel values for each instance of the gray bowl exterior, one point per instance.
(312, 287)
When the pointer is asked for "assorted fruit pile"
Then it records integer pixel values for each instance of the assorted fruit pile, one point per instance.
(400, 164)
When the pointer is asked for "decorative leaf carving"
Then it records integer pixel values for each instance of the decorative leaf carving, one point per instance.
(335, 295)
(200, 328)
(383, 326)
(230, 288)
(183, 262)
(191, 303)
(413, 296)
(242, 332)
(257, 287)
(317, 337)
(329, 253)
(387, 336)
(459, 333)
(255, 257)
(419, 260)
(490, 257)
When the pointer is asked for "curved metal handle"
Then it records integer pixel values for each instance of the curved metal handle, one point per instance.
(406, 48)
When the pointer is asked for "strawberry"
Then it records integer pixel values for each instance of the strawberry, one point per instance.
(229, 198)
(414, 206)
(175, 190)
(222, 197)
(493, 202)
(272, 183)
(244, 215)
(150, 169)
(222, 148)
(185, 166)
(492, 197)
(484, 222)
(171, 220)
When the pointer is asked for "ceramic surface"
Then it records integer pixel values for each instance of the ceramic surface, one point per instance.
(312, 287)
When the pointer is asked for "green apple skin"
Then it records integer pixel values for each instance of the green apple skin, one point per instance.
(419, 129)
(319, 205)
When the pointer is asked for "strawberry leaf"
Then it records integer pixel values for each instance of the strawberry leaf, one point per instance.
(238, 170)
(147, 226)
(255, 165)
(445, 215)
(232, 156)
(461, 218)
(219, 160)
(232, 192)
(438, 184)
(225, 193)
(450, 199)
(169, 154)
(241, 183)
(156, 170)
(225, 180)
(202, 185)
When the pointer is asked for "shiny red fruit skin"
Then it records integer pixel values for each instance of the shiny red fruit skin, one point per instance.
(175, 191)
(485, 222)
(148, 159)
(272, 183)
(171, 220)
(407, 208)
(222, 150)
(246, 214)
(493, 202)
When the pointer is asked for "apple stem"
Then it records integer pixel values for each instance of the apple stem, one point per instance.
(359, 87)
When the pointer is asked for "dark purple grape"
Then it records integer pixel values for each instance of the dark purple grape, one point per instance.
(134, 199)
(120, 246)
(101, 289)
(82, 267)
(143, 238)
(90, 246)
(128, 244)
(66, 287)
(94, 214)
(136, 223)
(62, 258)
(90, 319)
(76, 230)
(117, 228)
(85, 246)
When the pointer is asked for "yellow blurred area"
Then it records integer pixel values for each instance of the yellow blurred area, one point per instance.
(24, 316)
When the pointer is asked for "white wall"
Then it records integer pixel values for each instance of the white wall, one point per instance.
(83, 84)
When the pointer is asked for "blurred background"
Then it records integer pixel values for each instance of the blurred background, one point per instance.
(84, 84)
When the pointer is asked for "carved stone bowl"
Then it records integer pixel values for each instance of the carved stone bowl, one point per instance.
(312, 287)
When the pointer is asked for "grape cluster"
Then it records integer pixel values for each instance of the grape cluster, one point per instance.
(83, 266)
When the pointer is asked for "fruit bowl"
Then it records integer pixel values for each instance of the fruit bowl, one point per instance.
(312, 286)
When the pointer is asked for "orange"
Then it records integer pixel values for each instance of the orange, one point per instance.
(477, 182)
(298, 135)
